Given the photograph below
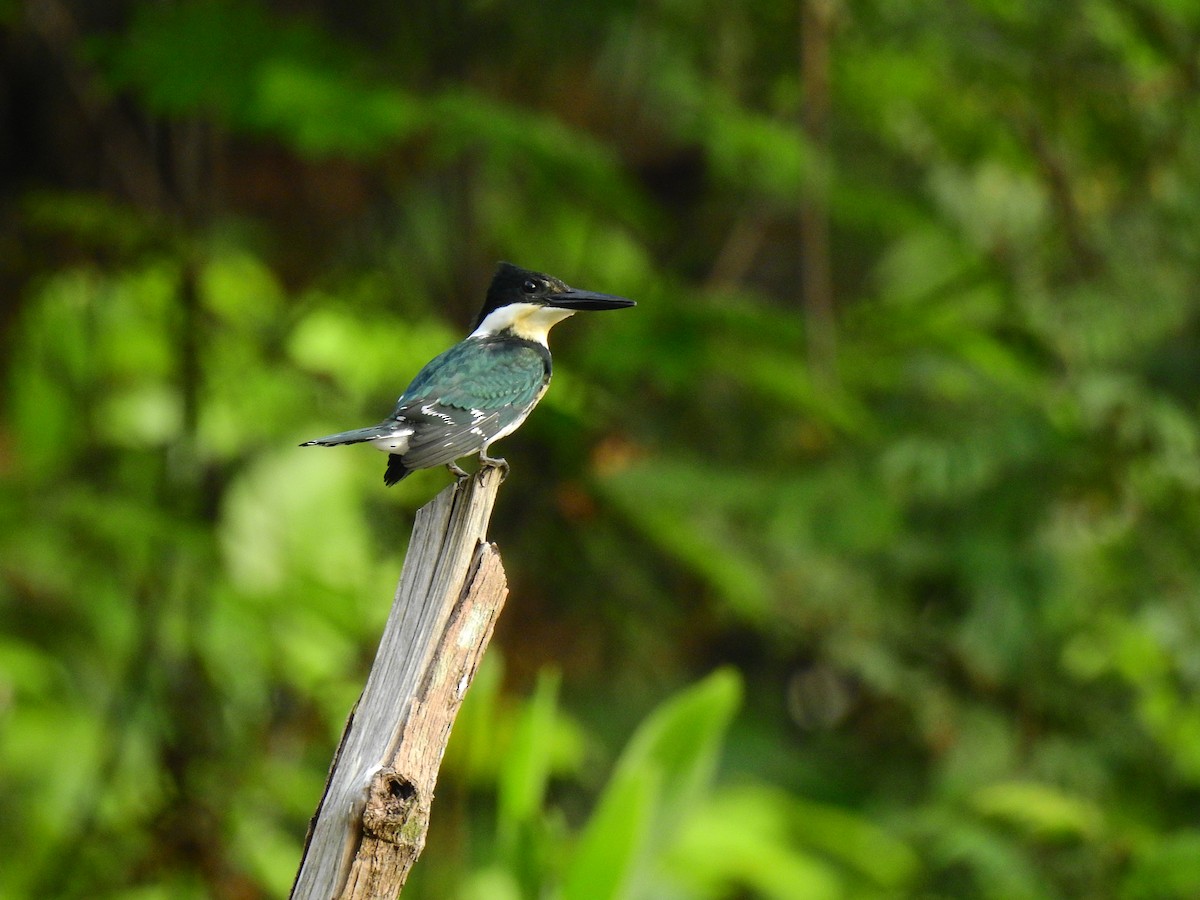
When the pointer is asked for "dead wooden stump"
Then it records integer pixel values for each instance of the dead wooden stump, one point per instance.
(370, 825)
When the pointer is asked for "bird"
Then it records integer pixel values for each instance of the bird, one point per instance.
(482, 388)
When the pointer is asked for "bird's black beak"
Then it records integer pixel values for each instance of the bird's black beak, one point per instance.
(574, 299)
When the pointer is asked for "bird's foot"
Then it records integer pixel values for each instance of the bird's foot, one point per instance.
(493, 463)
(458, 471)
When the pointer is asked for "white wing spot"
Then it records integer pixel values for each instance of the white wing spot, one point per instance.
(428, 410)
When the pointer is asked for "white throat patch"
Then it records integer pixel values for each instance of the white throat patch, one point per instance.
(525, 320)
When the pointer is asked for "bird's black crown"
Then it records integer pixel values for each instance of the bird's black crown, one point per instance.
(512, 284)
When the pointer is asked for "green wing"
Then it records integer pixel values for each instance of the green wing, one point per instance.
(481, 375)
(468, 396)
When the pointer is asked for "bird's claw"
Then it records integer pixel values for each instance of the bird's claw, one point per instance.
(458, 471)
(489, 462)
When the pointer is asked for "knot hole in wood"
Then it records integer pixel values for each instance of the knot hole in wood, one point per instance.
(395, 811)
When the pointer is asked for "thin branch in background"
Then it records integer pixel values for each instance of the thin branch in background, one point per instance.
(1062, 199)
(816, 280)
(740, 249)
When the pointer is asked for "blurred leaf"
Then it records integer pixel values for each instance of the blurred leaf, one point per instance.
(654, 500)
(203, 55)
(612, 844)
(740, 842)
(523, 780)
(682, 738)
(1169, 867)
(491, 884)
(659, 778)
(324, 112)
(855, 841)
(1041, 809)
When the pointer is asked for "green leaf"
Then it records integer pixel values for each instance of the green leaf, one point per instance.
(739, 841)
(655, 499)
(1041, 810)
(666, 764)
(322, 112)
(527, 765)
(1166, 866)
(682, 738)
(611, 845)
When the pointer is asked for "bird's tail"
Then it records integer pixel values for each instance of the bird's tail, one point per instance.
(357, 436)
(396, 469)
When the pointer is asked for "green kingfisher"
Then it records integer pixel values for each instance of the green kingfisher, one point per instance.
(482, 388)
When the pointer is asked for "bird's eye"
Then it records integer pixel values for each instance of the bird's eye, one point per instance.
(530, 286)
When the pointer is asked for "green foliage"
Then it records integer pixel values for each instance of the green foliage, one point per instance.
(760, 838)
(657, 784)
(948, 581)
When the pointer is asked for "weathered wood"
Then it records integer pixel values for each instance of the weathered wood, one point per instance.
(370, 825)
